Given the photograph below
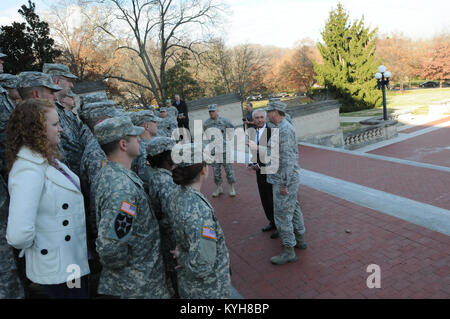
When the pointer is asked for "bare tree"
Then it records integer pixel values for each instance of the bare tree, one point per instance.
(159, 30)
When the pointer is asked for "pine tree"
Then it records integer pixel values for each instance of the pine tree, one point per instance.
(28, 45)
(349, 62)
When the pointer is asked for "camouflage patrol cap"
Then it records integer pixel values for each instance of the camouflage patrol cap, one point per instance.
(71, 94)
(2, 55)
(58, 69)
(93, 97)
(276, 105)
(212, 107)
(9, 81)
(159, 144)
(141, 117)
(115, 128)
(189, 154)
(99, 109)
(36, 79)
(162, 109)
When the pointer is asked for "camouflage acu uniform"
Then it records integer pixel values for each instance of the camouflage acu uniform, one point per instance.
(167, 126)
(128, 240)
(172, 112)
(10, 285)
(222, 124)
(6, 108)
(287, 214)
(204, 256)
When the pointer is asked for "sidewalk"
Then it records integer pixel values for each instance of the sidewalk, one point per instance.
(343, 237)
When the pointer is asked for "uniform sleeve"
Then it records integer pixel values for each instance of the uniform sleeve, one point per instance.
(199, 260)
(25, 184)
(115, 227)
(287, 162)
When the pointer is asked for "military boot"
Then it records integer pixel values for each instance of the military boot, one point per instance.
(287, 255)
(218, 191)
(232, 191)
(301, 243)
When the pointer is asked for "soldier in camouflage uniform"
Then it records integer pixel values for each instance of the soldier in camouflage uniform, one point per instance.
(222, 124)
(149, 122)
(287, 214)
(10, 284)
(167, 125)
(160, 190)
(10, 82)
(128, 241)
(203, 259)
(172, 111)
(75, 135)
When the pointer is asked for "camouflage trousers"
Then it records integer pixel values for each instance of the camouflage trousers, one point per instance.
(218, 173)
(10, 284)
(287, 214)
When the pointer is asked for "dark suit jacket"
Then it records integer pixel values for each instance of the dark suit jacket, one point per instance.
(265, 137)
(182, 108)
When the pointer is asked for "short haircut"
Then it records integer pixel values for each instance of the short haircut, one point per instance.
(258, 110)
(111, 147)
(27, 92)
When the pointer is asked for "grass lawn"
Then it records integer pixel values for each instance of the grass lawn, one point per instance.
(418, 99)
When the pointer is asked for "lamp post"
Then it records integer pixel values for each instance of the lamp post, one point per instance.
(382, 77)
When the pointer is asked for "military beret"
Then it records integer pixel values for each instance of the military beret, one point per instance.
(189, 154)
(159, 144)
(212, 107)
(36, 79)
(58, 69)
(115, 128)
(9, 81)
(93, 97)
(276, 105)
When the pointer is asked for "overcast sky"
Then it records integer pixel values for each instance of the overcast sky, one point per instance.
(282, 23)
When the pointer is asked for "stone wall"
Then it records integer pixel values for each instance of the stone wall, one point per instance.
(318, 123)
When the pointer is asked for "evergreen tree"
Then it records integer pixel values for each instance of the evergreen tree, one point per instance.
(28, 45)
(349, 62)
(180, 81)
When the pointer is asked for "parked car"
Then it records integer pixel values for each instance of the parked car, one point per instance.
(255, 97)
(429, 84)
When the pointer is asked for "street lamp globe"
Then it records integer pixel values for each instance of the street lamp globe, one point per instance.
(387, 74)
(381, 69)
(378, 75)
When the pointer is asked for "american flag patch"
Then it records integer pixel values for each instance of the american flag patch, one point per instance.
(209, 233)
(128, 208)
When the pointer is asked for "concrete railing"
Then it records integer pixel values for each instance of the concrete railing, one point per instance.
(369, 135)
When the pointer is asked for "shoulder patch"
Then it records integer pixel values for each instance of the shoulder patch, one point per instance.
(103, 162)
(128, 208)
(209, 233)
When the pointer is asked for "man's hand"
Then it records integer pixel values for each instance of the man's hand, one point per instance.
(284, 190)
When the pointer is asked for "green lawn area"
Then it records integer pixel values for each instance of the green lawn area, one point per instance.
(396, 100)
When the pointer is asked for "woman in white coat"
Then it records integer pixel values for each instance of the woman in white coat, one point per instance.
(46, 212)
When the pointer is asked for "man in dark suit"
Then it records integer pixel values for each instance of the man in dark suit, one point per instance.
(259, 136)
(183, 118)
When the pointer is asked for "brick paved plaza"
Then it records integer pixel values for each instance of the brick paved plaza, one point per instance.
(389, 207)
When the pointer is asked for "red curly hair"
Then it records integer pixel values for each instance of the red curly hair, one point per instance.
(27, 127)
